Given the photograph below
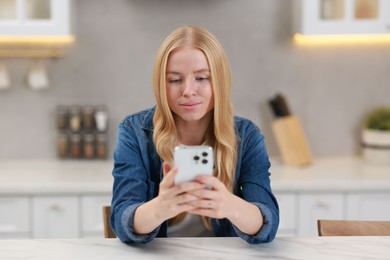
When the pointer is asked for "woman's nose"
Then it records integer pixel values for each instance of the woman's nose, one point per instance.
(189, 87)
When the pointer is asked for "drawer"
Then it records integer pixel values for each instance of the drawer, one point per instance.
(287, 211)
(92, 214)
(55, 217)
(14, 217)
(314, 206)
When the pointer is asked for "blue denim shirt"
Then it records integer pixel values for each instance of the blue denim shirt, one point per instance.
(138, 171)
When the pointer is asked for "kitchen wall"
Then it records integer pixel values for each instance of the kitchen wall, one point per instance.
(329, 88)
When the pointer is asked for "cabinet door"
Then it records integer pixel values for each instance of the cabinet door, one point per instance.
(14, 217)
(287, 211)
(368, 206)
(343, 16)
(314, 206)
(55, 217)
(92, 214)
(31, 17)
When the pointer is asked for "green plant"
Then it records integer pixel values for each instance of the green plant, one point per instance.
(378, 119)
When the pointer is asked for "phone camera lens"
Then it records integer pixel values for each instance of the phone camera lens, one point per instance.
(205, 154)
(204, 161)
(196, 158)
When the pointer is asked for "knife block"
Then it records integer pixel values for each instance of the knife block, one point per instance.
(291, 141)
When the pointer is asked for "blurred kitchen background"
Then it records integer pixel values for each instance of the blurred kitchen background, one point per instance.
(101, 67)
(329, 87)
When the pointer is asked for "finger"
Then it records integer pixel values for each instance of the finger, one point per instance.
(187, 187)
(204, 204)
(210, 181)
(169, 177)
(204, 193)
(166, 168)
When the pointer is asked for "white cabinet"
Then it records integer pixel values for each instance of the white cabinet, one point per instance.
(314, 206)
(32, 18)
(323, 17)
(55, 217)
(14, 217)
(92, 215)
(287, 212)
(368, 206)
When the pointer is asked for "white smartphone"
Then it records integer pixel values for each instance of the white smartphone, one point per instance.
(193, 161)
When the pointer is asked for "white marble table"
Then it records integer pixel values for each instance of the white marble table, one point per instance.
(199, 248)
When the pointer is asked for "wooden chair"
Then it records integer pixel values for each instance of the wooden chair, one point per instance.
(108, 233)
(353, 228)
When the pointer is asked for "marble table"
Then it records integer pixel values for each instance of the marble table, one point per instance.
(199, 248)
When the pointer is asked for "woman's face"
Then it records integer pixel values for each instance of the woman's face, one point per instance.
(189, 89)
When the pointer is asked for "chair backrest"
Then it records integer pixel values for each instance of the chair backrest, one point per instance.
(353, 228)
(108, 233)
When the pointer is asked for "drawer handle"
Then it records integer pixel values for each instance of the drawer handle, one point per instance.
(322, 204)
(55, 207)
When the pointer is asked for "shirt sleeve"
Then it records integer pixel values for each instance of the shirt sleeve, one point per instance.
(253, 185)
(131, 187)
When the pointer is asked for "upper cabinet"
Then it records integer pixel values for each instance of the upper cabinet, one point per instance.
(342, 17)
(36, 18)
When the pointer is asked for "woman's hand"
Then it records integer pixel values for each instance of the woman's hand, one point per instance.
(215, 201)
(218, 202)
(175, 199)
(171, 200)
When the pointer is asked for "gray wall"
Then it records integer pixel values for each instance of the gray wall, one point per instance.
(329, 88)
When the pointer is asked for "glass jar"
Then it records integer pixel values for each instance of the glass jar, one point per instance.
(75, 118)
(101, 118)
(63, 145)
(101, 146)
(88, 119)
(89, 146)
(75, 146)
(62, 117)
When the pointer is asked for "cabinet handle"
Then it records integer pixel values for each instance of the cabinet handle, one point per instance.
(55, 207)
(322, 204)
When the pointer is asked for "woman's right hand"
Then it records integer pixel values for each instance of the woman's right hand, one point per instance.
(171, 200)
(175, 199)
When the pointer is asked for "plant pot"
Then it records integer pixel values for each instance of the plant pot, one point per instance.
(376, 146)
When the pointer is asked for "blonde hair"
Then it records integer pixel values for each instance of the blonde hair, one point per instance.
(221, 133)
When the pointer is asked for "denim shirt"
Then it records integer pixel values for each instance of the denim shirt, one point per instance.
(138, 171)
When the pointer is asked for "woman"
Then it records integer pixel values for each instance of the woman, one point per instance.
(192, 86)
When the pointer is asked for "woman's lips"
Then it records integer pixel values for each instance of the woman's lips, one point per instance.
(191, 105)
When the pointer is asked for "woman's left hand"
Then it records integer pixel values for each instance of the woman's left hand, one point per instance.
(218, 202)
(214, 202)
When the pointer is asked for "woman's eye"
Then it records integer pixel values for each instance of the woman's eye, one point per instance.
(173, 81)
(201, 78)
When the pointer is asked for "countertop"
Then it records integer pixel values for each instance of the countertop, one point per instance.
(199, 248)
(83, 176)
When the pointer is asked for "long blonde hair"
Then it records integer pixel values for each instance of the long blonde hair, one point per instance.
(221, 133)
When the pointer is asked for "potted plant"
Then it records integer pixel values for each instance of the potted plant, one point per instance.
(376, 135)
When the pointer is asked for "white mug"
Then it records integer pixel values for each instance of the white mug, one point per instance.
(37, 78)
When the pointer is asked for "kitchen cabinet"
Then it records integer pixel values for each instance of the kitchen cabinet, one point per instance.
(55, 217)
(338, 17)
(368, 206)
(92, 214)
(288, 213)
(14, 217)
(35, 18)
(314, 206)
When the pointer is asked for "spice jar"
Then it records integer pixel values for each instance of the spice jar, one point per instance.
(101, 118)
(89, 146)
(75, 118)
(101, 146)
(88, 118)
(62, 117)
(63, 145)
(75, 146)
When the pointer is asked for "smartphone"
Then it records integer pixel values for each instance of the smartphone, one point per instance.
(193, 161)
